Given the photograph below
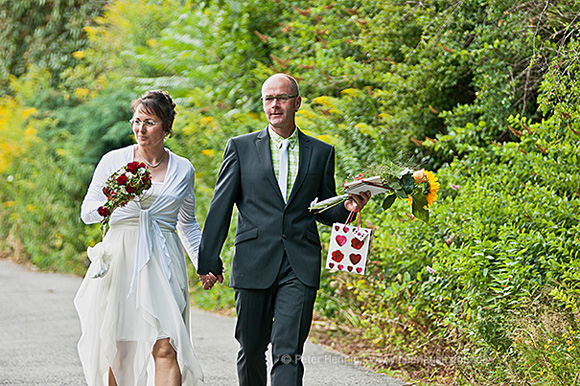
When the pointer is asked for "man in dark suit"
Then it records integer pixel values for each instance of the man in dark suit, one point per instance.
(272, 176)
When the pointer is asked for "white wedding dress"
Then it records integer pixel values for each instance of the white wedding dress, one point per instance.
(144, 296)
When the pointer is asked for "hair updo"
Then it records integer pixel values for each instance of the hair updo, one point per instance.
(158, 103)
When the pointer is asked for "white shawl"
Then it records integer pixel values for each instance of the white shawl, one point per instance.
(174, 209)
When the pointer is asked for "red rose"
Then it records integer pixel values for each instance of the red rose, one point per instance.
(104, 211)
(122, 179)
(133, 166)
(130, 189)
(142, 165)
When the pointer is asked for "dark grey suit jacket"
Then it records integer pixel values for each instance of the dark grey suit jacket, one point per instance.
(266, 225)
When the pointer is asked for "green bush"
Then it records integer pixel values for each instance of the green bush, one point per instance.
(482, 92)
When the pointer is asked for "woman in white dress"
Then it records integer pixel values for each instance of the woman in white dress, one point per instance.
(135, 317)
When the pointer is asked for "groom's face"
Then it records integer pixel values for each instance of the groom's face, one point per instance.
(280, 114)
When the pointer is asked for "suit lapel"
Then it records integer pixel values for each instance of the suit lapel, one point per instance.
(305, 151)
(265, 155)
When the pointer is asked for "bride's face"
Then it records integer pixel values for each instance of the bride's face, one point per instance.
(148, 129)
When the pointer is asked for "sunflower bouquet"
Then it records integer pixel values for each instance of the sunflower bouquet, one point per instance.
(419, 187)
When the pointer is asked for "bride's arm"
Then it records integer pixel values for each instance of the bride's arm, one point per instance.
(187, 226)
(95, 196)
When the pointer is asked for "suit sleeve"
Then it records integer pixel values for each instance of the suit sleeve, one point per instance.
(218, 219)
(328, 189)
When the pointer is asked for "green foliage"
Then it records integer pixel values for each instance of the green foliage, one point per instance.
(40, 197)
(482, 92)
(44, 34)
(505, 231)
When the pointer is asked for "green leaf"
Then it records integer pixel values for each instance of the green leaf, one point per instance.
(418, 207)
(408, 183)
(397, 188)
(389, 201)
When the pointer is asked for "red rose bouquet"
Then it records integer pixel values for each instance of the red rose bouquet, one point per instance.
(131, 181)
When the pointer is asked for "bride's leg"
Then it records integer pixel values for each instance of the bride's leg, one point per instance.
(167, 371)
(112, 380)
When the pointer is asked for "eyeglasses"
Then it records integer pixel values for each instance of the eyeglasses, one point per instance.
(280, 98)
(147, 123)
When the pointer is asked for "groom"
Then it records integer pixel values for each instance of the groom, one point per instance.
(272, 176)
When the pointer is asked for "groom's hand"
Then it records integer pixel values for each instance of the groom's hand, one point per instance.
(207, 281)
(356, 202)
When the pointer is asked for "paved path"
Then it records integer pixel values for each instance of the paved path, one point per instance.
(39, 329)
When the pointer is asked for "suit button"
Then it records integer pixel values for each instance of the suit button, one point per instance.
(284, 236)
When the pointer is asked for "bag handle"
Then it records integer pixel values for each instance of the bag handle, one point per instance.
(358, 220)
(349, 218)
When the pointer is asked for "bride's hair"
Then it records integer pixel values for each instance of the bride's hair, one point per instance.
(158, 103)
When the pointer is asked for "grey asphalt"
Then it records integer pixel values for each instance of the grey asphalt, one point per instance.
(39, 329)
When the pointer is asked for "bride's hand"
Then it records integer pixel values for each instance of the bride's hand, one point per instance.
(207, 281)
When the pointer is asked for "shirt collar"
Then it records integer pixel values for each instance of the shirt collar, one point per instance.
(277, 139)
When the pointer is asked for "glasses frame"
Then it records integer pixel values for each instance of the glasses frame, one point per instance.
(147, 123)
(280, 98)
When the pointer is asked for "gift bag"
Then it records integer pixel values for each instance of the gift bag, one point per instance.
(349, 247)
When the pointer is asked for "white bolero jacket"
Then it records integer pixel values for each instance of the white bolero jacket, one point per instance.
(173, 210)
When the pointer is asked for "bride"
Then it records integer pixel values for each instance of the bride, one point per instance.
(135, 317)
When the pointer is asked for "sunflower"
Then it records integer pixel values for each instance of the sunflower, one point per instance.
(433, 187)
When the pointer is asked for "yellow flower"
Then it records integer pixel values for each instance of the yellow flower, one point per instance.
(82, 92)
(326, 138)
(28, 112)
(207, 120)
(324, 100)
(423, 176)
(433, 187)
(351, 92)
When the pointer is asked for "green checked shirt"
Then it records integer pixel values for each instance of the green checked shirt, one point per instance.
(275, 145)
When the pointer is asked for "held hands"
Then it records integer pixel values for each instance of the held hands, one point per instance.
(207, 281)
(356, 202)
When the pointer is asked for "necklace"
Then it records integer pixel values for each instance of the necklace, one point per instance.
(145, 160)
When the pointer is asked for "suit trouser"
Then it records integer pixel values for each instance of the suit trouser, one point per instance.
(282, 315)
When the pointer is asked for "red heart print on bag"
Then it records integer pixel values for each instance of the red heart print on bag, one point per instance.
(341, 267)
(331, 265)
(341, 240)
(337, 227)
(337, 256)
(349, 268)
(356, 243)
(359, 269)
(355, 258)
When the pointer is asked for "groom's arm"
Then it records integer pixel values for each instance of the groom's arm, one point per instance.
(338, 213)
(218, 219)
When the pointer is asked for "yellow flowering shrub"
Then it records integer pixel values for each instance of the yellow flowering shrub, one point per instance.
(16, 131)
